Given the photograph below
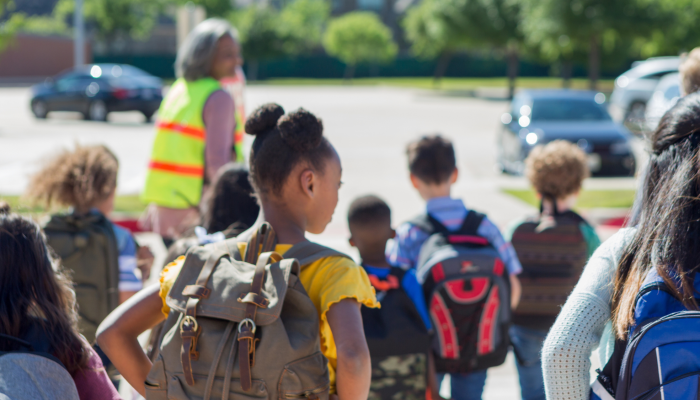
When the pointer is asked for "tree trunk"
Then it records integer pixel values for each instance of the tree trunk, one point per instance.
(349, 73)
(441, 67)
(567, 67)
(513, 69)
(252, 70)
(594, 63)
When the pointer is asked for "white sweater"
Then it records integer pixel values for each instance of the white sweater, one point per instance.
(583, 325)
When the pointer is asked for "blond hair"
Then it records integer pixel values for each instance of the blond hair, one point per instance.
(690, 72)
(80, 178)
(556, 169)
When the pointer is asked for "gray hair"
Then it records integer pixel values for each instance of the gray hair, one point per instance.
(195, 56)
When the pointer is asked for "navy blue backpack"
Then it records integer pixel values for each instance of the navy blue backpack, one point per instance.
(661, 358)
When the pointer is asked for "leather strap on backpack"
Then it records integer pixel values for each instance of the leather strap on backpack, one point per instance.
(247, 327)
(189, 328)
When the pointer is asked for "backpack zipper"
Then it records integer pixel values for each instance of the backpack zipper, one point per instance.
(309, 394)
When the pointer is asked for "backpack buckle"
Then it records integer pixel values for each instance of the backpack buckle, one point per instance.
(189, 324)
(247, 321)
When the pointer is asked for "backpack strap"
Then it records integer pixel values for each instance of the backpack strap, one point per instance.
(430, 225)
(31, 347)
(309, 252)
(189, 328)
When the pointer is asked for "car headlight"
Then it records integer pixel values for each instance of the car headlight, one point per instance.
(620, 148)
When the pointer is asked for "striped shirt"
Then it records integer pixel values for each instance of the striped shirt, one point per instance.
(405, 248)
(129, 281)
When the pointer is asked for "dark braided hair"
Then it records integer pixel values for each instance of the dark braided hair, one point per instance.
(281, 143)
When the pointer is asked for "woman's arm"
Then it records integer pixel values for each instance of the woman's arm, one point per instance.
(516, 291)
(354, 365)
(220, 120)
(567, 350)
(118, 333)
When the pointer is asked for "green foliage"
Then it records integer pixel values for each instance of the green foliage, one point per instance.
(679, 32)
(565, 28)
(359, 37)
(258, 27)
(428, 32)
(111, 18)
(301, 25)
(214, 8)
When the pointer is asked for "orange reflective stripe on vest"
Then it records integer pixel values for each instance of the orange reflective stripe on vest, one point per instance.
(180, 169)
(197, 133)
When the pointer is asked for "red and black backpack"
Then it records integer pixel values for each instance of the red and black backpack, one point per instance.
(467, 290)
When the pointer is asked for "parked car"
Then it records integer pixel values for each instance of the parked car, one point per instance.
(96, 90)
(634, 88)
(667, 93)
(540, 116)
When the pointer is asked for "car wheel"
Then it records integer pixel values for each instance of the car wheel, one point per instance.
(40, 109)
(148, 115)
(97, 111)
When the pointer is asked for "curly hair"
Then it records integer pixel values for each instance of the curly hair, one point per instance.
(80, 178)
(556, 169)
(281, 143)
(33, 287)
(690, 72)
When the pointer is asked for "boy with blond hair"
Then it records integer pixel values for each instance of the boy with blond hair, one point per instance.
(553, 247)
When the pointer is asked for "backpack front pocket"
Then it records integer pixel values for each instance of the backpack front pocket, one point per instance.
(305, 379)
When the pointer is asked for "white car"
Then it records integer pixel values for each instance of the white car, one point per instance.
(634, 88)
(667, 93)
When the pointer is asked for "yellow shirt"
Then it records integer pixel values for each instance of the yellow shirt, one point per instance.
(327, 281)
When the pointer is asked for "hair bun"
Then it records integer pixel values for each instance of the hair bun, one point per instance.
(301, 130)
(263, 119)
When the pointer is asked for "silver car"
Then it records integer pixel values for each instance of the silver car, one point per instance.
(667, 93)
(634, 88)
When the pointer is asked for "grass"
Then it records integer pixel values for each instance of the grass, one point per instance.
(449, 84)
(622, 198)
(128, 205)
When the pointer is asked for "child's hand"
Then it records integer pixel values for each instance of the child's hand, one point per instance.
(144, 261)
(333, 397)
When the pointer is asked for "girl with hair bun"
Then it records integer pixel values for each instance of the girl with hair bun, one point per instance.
(296, 174)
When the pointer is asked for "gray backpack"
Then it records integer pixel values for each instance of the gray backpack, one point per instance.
(31, 373)
(242, 326)
(88, 248)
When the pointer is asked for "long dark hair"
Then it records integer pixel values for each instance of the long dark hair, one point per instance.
(31, 285)
(668, 220)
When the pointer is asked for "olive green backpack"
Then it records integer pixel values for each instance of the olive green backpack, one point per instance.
(88, 248)
(241, 326)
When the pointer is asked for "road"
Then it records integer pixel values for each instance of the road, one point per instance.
(369, 126)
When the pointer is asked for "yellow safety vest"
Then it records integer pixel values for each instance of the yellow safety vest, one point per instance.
(176, 168)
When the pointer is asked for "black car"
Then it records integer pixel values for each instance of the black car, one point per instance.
(540, 116)
(96, 90)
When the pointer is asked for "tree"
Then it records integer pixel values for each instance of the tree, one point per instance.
(213, 8)
(112, 18)
(258, 27)
(359, 37)
(301, 25)
(431, 36)
(563, 28)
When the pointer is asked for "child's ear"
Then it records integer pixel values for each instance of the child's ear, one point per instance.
(415, 181)
(352, 242)
(308, 180)
(454, 176)
(393, 234)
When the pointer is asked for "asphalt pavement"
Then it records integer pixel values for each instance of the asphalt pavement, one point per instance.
(369, 126)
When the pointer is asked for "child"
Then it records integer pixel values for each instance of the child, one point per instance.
(553, 248)
(433, 171)
(38, 306)
(296, 174)
(86, 180)
(399, 367)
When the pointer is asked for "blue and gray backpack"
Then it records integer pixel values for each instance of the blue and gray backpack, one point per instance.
(661, 358)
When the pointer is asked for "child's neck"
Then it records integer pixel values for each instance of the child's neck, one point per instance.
(287, 230)
(435, 191)
(563, 205)
(378, 261)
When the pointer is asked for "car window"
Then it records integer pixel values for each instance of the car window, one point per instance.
(129, 70)
(672, 91)
(568, 110)
(658, 75)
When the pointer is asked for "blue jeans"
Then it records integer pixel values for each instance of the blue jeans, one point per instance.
(527, 346)
(466, 386)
